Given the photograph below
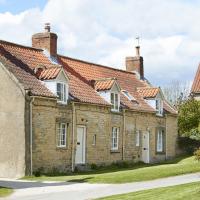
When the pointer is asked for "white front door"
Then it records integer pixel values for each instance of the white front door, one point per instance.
(80, 145)
(145, 147)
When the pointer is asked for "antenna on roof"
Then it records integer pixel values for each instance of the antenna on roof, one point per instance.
(138, 40)
(47, 27)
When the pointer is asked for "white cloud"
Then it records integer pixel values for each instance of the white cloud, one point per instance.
(104, 31)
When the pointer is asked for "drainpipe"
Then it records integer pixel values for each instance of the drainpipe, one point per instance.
(31, 135)
(73, 134)
(123, 135)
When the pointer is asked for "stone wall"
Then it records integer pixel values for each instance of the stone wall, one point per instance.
(46, 154)
(98, 121)
(12, 126)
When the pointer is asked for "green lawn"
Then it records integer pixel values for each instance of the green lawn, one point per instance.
(5, 191)
(189, 191)
(140, 172)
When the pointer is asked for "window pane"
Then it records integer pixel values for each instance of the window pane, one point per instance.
(64, 92)
(59, 91)
(116, 101)
(160, 141)
(137, 138)
(61, 135)
(112, 100)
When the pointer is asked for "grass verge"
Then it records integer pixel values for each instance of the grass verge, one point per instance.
(141, 172)
(189, 191)
(5, 191)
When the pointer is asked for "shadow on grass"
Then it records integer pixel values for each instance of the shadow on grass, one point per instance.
(109, 169)
(81, 180)
(139, 165)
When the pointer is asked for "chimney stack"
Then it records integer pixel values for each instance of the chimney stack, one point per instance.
(46, 40)
(135, 64)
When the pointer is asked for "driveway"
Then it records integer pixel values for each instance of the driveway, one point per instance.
(29, 190)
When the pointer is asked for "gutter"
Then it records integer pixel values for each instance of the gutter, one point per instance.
(73, 134)
(123, 135)
(31, 135)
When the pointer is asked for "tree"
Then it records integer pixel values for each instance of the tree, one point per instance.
(176, 92)
(189, 119)
(189, 125)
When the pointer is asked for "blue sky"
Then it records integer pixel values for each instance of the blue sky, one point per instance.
(105, 31)
(16, 6)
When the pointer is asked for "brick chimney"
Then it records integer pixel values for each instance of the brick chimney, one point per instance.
(46, 40)
(135, 64)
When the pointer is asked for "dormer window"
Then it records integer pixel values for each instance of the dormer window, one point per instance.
(109, 89)
(61, 92)
(114, 101)
(159, 107)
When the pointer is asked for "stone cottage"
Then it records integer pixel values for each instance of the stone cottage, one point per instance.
(195, 91)
(58, 112)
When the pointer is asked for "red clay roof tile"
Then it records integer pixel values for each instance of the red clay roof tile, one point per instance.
(196, 83)
(148, 92)
(23, 60)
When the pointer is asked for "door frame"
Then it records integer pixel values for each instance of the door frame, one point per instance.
(84, 137)
(148, 154)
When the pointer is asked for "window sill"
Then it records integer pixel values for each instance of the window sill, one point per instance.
(160, 153)
(61, 103)
(61, 148)
(116, 111)
(114, 151)
(159, 115)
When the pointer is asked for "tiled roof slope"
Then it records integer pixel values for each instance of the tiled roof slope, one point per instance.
(24, 75)
(104, 84)
(148, 92)
(23, 60)
(128, 81)
(48, 74)
(196, 83)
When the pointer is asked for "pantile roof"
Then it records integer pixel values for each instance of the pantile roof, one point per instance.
(148, 92)
(196, 83)
(49, 73)
(104, 84)
(24, 61)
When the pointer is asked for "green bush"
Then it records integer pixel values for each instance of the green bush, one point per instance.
(55, 172)
(93, 166)
(197, 154)
(38, 172)
(188, 145)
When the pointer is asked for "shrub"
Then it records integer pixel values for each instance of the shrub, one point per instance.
(197, 154)
(188, 144)
(93, 166)
(38, 172)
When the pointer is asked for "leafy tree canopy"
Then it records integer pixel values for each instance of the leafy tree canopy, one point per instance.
(189, 119)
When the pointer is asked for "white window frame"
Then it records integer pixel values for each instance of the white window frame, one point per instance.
(115, 104)
(160, 141)
(115, 138)
(61, 135)
(159, 107)
(63, 92)
(137, 138)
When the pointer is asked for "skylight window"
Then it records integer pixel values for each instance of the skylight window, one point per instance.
(128, 95)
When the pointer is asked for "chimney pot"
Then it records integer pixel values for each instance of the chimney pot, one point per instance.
(137, 48)
(47, 27)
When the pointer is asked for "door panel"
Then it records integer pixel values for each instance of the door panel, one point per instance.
(145, 147)
(80, 146)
